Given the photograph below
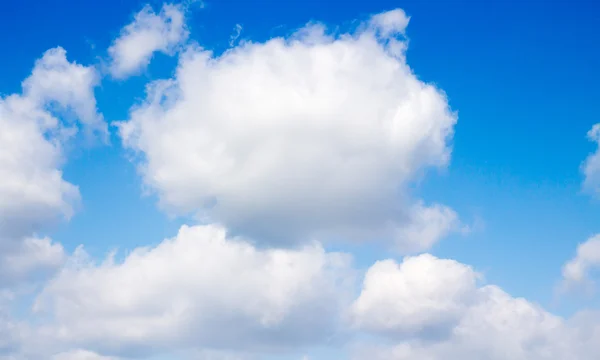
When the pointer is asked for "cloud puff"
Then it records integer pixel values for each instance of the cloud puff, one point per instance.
(421, 294)
(198, 290)
(148, 33)
(425, 296)
(56, 81)
(313, 135)
(425, 226)
(29, 257)
(390, 23)
(591, 166)
(576, 271)
(57, 100)
(32, 189)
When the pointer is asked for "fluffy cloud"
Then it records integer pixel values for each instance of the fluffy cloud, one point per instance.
(33, 128)
(576, 271)
(148, 33)
(199, 289)
(591, 166)
(28, 257)
(56, 81)
(309, 136)
(422, 294)
(390, 23)
(203, 291)
(425, 226)
(425, 296)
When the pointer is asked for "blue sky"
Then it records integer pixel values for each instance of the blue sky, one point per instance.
(521, 77)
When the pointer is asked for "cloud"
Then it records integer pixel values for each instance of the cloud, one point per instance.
(591, 166)
(32, 189)
(221, 298)
(220, 355)
(56, 102)
(576, 271)
(426, 226)
(390, 23)
(237, 31)
(56, 81)
(81, 355)
(148, 33)
(198, 290)
(28, 258)
(315, 136)
(310, 136)
(9, 335)
(419, 295)
(434, 309)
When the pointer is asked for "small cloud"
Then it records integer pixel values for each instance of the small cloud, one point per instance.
(148, 33)
(576, 272)
(237, 30)
(591, 166)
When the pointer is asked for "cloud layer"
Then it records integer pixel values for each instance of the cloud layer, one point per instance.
(199, 289)
(206, 294)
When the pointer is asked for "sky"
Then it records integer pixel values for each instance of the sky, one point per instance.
(299, 180)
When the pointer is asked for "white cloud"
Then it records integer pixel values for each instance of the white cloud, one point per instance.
(219, 355)
(9, 337)
(591, 166)
(222, 298)
(34, 126)
(148, 33)
(390, 23)
(56, 81)
(202, 291)
(237, 31)
(311, 136)
(29, 257)
(420, 295)
(576, 271)
(197, 290)
(80, 355)
(433, 309)
(426, 226)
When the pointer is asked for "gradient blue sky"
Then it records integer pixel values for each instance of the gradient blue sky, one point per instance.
(522, 76)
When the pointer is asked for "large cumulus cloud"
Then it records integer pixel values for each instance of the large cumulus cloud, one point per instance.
(199, 289)
(314, 135)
